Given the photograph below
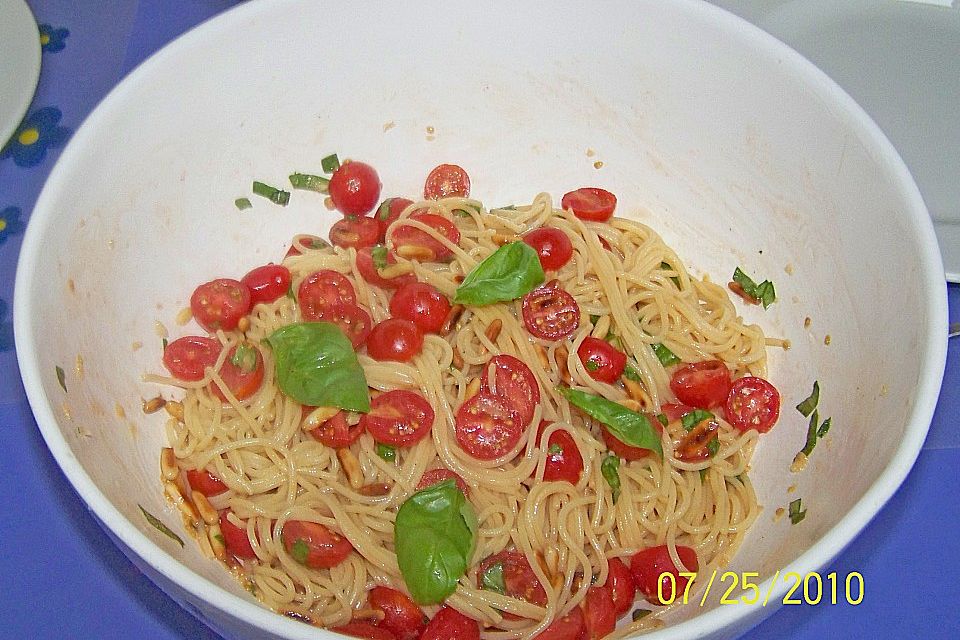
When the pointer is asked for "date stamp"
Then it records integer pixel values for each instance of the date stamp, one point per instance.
(743, 587)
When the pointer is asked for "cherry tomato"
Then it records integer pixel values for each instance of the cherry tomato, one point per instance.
(599, 616)
(219, 304)
(352, 319)
(518, 577)
(187, 357)
(564, 461)
(395, 339)
(202, 481)
(624, 450)
(590, 203)
(753, 403)
(235, 539)
(336, 433)
(569, 627)
(704, 385)
(450, 624)
(399, 418)
(313, 545)
(401, 616)
(515, 382)
(308, 242)
(422, 304)
(602, 360)
(267, 283)
(648, 565)
(622, 588)
(434, 476)
(366, 630)
(552, 245)
(418, 244)
(549, 312)
(388, 211)
(368, 270)
(242, 372)
(488, 426)
(355, 231)
(324, 288)
(354, 188)
(446, 181)
(674, 411)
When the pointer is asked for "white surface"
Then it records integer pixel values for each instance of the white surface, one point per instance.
(775, 168)
(19, 64)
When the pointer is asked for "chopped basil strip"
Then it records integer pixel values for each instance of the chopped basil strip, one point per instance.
(242, 203)
(245, 357)
(695, 417)
(594, 319)
(763, 292)
(664, 355)
(309, 182)
(703, 474)
(379, 255)
(662, 419)
(386, 452)
(272, 194)
(165, 343)
(159, 526)
(796, 512)
(506, 274)
(610, 470)
(555, 449)
(713, 446)
(591, 365)
(810, 403)
(331, 163)
(824, 428)
(630, 372)
(300, 550)
(61, 378)
(629, 427)
(675, 279)
(640, 613)
(492, 579)
(811, 433)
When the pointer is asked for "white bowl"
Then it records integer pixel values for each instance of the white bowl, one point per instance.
(732, 146)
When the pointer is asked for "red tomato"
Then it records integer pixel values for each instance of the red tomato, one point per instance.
(235, 539)
(434, 476)
(219, 304)
(422, 304)
(395, 339)
(602, 360)
(242, 372)
(569, 627)
(369, 272)
(515, 382)
(622, 587)
(518, 577)
(450, 624)
(399, 418)
(202, 481)
(355, 231)
(552, 245)
(324, 288)
(674, 411)
(549, 312)
(590, 203)
(364, 630)
(388, 211)
(352, 319)
(313, 545)
(445, 181)
(187, 357)
(421, 245)
(599, 616)
(488, 426)
(753, 403)
(354, 188)
(401, 615)
(336, 433)
(311, 243)
(704, 385)
(648, 565)
(267, 283)
(564, 461)
(624, 450)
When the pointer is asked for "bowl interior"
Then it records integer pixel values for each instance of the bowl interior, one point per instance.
(732, 147)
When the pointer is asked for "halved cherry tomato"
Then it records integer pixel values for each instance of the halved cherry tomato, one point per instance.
(267, 283)
(401, 615)
(519, 579)
(235, 539)
(602, 360)
(450, 624)
(336, 432)
(421, 245)
(219, 304)
(187, 357)
(242, 372)
(549, 312)
(564, 461)
(311, 243)
(395, 339)
(624, 450)
(355, 231)
(704, 385)
(368, 270)
(388, 211)
(352, 319)
(422, 304)
(649, 564)
(488, 426)
(674, 411)
(434, 476)
(552, 246)
(446, 181)
(569, 627)
(590, 203)
(515, 382)
(622, 587)
(204, 482)
(599, 616)
(324, 288)
(354, 188)
(313, 545)
(360, 629)
(399, 418)
(753, 403)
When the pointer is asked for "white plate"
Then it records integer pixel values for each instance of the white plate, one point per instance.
(19, 64)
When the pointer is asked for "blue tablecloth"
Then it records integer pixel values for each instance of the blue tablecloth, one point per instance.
(60, 575)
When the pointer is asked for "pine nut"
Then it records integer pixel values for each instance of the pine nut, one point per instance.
(395, 270)
(185, 506)
(369, 613)
(493, 330)
(318, 416)
(351, 467)
(631, 404)
(243, 324)
(473, 388)
(374, 489)
(207, 512)
(561, 355)
(457, 359)
(168, 464)
(453, 316)
(502, 238)
(542, 356)
(636, 392)
(414, 252)
(174, 409)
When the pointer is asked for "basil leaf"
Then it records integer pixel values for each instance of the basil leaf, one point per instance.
(763, 292)
(386, 452)
(639, 614)
(824, 428)
(695, 417)
(610, 470)
(309, 182)
(245, 357)
(797, 513)
(317, 366)
(664, 355)
(330, 164)
(713, 446)
(629, 427)
(242, 203)
(300, 550)
(807, 406)
(379, 256)
(160, 526)
(435, 534)
(630, 372)
(61, 377)
(506, 274)
(492, 579)
(811, 434)
(675, 279)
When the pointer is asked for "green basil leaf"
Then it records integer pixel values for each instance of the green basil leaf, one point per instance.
(695, 417)
(807, 406)
(242, 203)
(630, 372)
(664, 355)
(506, 274)
(662, 419)
(610, 470)
(379, 256)
(591, 365)
(713, 446)
(675, 279)
(797, 513)
(245, 357)
(555, 449)
(317, 366)
(435, 534)
(160, 526)
(629, 427)
(61, 377)
(811, 433)
(763, 292)
(309, 182)
(492, 579)
(824, 428)
(330, 164)
(386, 452)
(300, 550)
